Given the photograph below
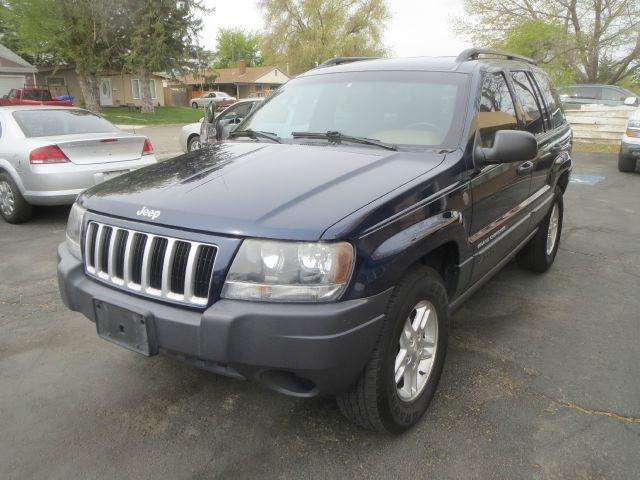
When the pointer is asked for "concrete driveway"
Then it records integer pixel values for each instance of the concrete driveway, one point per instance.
(541, 381)
(164, 138)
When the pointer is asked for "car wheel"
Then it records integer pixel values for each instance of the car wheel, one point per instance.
(194, 105)
(194, 143)
(13, 207)
(539, 254)
(401, 377)
(626, 164)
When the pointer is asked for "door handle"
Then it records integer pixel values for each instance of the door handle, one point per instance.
(525, 168)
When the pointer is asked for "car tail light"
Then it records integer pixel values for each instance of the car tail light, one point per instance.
(48, 154)
(147, 149)
(632, 132)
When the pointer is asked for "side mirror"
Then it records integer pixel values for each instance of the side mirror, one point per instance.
(509, 146)
(631, 101)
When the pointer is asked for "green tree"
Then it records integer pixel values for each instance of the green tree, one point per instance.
(234, 44)
(67, 32)
(161, 37)
(597, 40)
(302, 33)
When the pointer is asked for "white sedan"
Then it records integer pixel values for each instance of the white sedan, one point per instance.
(630, 146)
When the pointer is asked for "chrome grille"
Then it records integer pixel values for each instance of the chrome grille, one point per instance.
(153, 265)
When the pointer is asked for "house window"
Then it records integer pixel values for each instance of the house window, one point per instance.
(135, 89)
(152, 86)
(55, 81)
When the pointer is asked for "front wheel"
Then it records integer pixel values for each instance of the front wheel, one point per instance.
(401, 377)
(626, 164)
(194, 105)
(194, 143)
(539, 254)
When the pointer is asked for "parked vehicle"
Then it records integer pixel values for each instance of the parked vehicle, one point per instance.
(630, 145)
(598, 94)
(216, 124)
(322, 249)
(219, 99)
(33, 96)
(48, 155)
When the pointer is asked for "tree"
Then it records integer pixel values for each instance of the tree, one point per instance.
(235, 44)
(303, 33)
(597, 40)
(67, 32)
(161, 38)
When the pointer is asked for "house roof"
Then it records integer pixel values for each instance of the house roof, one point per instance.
(11, 62)
(231, 75)
(104, 73)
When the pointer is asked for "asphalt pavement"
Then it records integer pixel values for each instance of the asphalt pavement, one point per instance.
(541, 379)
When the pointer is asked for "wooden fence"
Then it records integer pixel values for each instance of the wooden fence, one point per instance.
(599, 123)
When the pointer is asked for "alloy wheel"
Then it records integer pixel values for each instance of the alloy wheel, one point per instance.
(417, 353)
(7, 200)
(552, 232)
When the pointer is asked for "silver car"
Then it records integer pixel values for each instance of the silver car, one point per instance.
(48, 155)
(220, 100)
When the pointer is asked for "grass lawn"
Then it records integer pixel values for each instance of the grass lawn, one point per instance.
(161, 116)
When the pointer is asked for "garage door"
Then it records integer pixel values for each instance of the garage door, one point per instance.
(8, 82)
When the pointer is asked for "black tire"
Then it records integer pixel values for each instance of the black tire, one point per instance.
(21, 211)
(373, 402)
(534, 255)
(194, 105)
(192, 141)
(626, 164)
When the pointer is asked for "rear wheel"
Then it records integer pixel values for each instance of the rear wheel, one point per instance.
(13, 207)
(401, 377)
(539, 254)
(626, 164)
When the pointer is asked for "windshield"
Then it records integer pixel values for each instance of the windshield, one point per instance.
(43, 123)
(402, 108)
(223, 94)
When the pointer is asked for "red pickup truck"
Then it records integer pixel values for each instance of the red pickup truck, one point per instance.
(32, 96)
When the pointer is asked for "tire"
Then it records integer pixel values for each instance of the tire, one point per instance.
(193, 143)
(13, 207)
(539, 254)
(194, 105)
(376, 402)
(626, 164)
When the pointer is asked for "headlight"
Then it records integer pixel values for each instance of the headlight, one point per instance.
(74, 230)
(274, 271)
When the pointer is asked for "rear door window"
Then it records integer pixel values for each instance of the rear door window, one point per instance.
(531, 107)
(44, 123)
(551, 99)
(613, 94)
(497, 110)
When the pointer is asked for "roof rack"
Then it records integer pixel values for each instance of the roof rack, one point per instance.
(342, 60)
(474, 54)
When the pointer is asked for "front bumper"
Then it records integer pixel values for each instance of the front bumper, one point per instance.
(299, 350)
(60, 184)
(630, 147)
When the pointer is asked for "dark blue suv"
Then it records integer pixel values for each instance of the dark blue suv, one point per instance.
(323, 247)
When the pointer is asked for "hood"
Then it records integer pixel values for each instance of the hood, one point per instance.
(258, 189)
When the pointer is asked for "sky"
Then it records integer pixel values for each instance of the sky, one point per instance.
(417, 27)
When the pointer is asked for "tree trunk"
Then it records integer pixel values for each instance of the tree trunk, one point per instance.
(90, 92)
(145, 87)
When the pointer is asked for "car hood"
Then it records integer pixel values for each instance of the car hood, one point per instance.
(258, 189)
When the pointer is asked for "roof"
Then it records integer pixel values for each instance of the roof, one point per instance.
(231, 75)
(105, 73)
(11, 62)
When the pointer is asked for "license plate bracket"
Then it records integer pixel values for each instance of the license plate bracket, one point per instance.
(126, 328)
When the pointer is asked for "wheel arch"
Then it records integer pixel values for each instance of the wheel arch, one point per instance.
(6, 167)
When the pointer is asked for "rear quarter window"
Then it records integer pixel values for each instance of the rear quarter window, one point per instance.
(44, 123)
(551, 99)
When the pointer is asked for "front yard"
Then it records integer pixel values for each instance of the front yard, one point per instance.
(161, 116)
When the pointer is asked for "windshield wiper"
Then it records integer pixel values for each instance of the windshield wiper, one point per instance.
(337, 137)
(255, 134)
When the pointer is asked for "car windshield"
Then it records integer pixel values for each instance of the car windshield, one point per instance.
(44, 123)
(407, 108)
(222, 94)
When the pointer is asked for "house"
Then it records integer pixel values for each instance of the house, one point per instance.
(239, 82)
(15, 72)
(116, 88)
